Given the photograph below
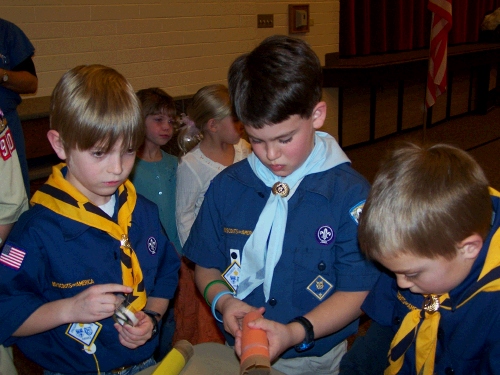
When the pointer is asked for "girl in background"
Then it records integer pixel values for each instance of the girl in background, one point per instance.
(221, 145)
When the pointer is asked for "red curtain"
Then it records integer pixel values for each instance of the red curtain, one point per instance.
(380, 26)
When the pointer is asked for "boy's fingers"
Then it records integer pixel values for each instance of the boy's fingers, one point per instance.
(114, 288)
(111, 288)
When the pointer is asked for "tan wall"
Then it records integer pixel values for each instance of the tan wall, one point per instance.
(179, 46)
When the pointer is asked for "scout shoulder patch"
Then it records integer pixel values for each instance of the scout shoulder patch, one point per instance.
(355, 211)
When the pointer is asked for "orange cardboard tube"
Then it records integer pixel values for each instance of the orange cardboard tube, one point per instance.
(254, 348)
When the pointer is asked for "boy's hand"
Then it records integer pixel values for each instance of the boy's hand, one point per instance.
(134, 336)
(233, 310)
(95, 303)
(280, 336)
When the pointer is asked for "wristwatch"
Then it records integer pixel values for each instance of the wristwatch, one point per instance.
(308, 342)
(153, 315)
(5, 76)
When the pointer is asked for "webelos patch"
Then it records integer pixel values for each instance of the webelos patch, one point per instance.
(320, 287)
(325, 235)
(152, 245)
(355, 211)
(232, 273)
(85, 333)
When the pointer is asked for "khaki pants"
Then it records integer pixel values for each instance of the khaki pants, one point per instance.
(326, 364)
(7, 361)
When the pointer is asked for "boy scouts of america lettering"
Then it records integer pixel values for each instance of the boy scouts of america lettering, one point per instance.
(73, 285)
(244, 232)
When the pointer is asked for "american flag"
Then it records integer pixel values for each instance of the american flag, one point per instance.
(438, 51)
(12, 257)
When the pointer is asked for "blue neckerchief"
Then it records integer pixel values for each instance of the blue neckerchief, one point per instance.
(262, 250)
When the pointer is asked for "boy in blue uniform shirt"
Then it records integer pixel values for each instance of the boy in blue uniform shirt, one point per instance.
(280, 228)
(87, 240)
(433, 222)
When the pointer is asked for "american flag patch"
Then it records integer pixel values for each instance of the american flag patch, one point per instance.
(12, 257)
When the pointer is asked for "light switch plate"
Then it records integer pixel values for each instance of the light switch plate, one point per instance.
(265, 21)
(298, 18)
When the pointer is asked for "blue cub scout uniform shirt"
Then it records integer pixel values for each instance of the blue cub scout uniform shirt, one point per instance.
(468, 336)
(64, 257)
(320, 250)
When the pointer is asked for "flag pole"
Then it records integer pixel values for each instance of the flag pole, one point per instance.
(441, 23)
(424, 125)
(426, 108)
(426, 92)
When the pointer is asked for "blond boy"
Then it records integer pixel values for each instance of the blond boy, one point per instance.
(88, 239)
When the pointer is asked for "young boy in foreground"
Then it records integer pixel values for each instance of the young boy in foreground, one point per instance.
(88, 239)
(431, 220)
(281, 226)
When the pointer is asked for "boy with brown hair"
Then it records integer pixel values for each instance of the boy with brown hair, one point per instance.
(431, 220)
(88, 240)
(278, 231)
(154, 177)
(154, 172)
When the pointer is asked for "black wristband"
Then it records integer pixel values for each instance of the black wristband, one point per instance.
(153, 315)
(308, 342)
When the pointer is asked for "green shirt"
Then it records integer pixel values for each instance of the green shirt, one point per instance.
(156, 181)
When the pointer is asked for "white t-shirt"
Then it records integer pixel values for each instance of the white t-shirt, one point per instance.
(194, 173)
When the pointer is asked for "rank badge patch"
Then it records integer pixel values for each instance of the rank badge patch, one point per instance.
(85, 333)
(355, 212)
(232, 275)
(320, 287)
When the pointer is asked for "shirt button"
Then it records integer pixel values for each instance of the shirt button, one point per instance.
(322, 266)
(273, 302)
(449, 371)
(160, 193)
(396, 320)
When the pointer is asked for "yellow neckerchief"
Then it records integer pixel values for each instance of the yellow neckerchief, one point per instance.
(60, 196)
(426, 334)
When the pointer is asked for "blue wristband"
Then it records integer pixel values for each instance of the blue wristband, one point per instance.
(214, 302)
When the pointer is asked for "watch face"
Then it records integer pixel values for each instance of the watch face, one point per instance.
(5, 77)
